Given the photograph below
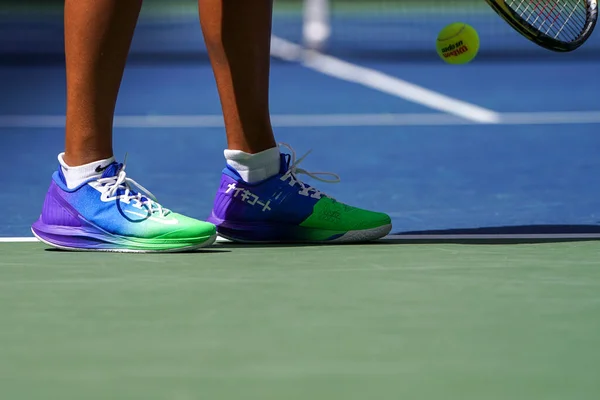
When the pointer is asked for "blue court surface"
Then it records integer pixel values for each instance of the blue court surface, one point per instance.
(507, 144)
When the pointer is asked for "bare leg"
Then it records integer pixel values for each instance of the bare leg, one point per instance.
(98, 35)
(237, 34)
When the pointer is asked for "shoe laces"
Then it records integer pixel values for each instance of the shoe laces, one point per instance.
(294, 170)
(124, 189)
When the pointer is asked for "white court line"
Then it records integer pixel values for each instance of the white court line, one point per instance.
(216, 121)
(374, 79)
(549, 118)
(414, 238)
(312, 120)
(18, 240)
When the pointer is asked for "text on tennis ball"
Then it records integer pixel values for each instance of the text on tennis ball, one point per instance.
(455, 49)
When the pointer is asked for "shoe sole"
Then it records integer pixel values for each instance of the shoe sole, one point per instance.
(241, 233)
(182, 249)
(366, 235)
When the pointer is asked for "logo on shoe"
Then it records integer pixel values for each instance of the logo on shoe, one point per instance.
(330, 215)
(248, 197)
(163, 221)
(100, 168)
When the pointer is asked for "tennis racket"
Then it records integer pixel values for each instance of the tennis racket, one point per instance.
(558, 25)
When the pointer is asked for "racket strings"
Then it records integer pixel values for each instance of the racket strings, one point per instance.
(563, 20)
(553, 17)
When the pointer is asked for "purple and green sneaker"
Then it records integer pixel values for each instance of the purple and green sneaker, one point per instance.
(109, 214)
(283, 209)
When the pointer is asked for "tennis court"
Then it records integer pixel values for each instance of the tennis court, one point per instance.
(489, 287)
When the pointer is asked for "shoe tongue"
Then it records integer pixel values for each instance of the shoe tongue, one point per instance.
(285, 163)
(112, 170)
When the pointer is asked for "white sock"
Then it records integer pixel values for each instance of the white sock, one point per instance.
(75, 176)
(254, 167)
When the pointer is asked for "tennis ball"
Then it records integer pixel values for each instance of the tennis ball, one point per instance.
(457, 43)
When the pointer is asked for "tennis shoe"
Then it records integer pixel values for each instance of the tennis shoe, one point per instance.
(283, 209)
(114, 213)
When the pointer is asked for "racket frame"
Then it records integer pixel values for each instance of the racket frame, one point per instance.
(541, 38)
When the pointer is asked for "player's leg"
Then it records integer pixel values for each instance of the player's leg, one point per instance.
(97, 39)
(260, 197)
(91, 204)
(237, 35)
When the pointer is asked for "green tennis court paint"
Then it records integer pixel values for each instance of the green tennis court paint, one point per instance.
(340, 322)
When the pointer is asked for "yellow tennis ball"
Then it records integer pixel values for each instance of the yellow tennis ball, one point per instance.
(458, 43)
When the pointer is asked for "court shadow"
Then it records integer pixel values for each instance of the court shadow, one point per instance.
(472, 241)
(502, 235)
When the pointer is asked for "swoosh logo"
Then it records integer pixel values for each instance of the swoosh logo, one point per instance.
(164, 221)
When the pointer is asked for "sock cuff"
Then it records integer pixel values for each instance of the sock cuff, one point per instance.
(93, 165)
(75, 176)
(240, 156)
(254, 167)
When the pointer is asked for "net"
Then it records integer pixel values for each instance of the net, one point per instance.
(400, 30)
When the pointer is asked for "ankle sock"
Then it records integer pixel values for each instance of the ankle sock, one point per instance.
(254, 167)
(75, 176)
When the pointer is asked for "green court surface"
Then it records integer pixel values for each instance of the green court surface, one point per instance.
(381, 321)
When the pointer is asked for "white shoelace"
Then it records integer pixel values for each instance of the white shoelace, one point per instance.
(293, 170)
(141, 197)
